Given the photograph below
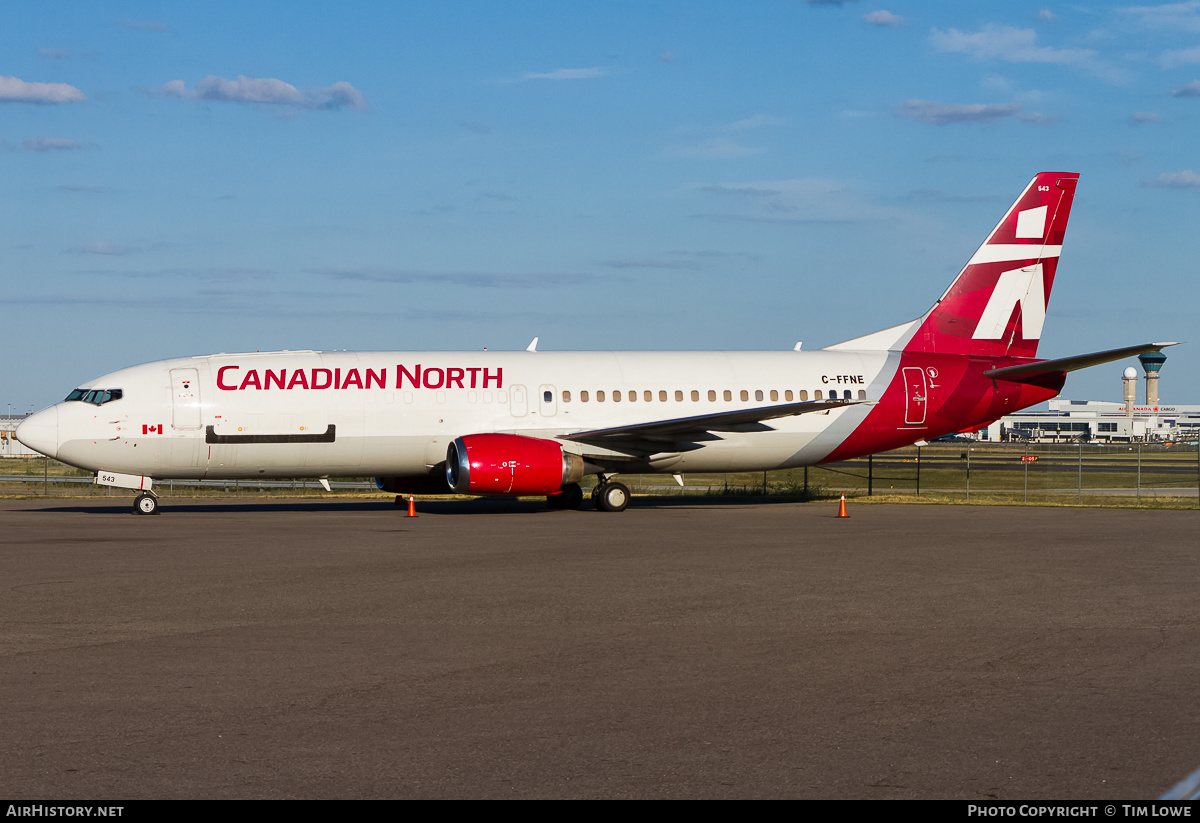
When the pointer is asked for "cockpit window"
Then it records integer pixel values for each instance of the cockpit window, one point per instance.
(97, 397)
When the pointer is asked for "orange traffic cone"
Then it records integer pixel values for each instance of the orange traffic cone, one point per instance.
(842, 508)
(412, 507)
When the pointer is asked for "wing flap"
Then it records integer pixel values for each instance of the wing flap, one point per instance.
(705, 426)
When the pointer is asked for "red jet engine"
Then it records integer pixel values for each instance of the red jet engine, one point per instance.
(509, 464)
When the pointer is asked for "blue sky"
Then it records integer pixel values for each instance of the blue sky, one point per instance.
(611, 175)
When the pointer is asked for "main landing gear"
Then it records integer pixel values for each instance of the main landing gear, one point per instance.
(146, 503)
(610, 496)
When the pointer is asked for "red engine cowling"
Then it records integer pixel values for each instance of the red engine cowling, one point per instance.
(509, 464)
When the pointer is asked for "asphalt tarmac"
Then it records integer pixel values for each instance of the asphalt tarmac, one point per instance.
(501, 650)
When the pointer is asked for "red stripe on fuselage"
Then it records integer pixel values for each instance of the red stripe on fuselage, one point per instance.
(957, 397)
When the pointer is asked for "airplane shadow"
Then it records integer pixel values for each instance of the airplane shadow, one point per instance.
(475, 506)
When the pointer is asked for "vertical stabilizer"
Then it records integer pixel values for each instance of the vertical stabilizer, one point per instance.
(997, 304)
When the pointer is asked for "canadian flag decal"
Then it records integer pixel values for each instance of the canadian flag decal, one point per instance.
(155, 429)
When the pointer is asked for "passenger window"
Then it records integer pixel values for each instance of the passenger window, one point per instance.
(775, 395)
(728, 395)
(547, 397)
(662, 397)
(600, 396)
(803, 395)
(758, 395)
(862, 395)
(566, 396)
(648, 396)
(583, 396)
(712, 396)
(632, 396)
(745, 395)
(817, 394)
(678, 396)
(695, 396)
(617, 396)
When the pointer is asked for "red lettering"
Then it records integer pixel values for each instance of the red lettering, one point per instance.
(221, 382)
(454, 376)
(401, 372)
(298, 379)
(337, 378)
(380, 378)
(270, 378)
(251, 380)
(441, 378)
(328, 378)
(352, 379)
(498, 377)
(474, 374)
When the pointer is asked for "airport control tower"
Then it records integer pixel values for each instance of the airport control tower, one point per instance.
(1152, 362)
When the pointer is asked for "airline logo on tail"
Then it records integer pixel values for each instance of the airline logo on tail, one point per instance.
(997, 304)
(1023, 287)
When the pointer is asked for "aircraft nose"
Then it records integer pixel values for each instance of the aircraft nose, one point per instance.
(40, 431)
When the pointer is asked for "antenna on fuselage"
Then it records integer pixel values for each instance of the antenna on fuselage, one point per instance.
(532, 346)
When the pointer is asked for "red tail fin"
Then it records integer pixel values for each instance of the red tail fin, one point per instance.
(997, 304)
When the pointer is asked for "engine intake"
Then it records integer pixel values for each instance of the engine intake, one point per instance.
(509, 464)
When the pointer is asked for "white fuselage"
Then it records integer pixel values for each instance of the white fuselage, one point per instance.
(394, 413)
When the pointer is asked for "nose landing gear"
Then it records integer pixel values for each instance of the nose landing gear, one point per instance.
(146, 503)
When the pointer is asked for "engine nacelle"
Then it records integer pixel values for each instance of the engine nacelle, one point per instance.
(509, 464)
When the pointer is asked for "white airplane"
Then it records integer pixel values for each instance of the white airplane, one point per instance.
(534, 423)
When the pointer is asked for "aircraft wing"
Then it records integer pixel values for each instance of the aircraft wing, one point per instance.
(682, 433)
(1030, 372)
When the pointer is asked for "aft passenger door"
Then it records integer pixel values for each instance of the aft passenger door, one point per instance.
(915, 396)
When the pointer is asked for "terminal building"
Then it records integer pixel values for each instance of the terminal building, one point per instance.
(10, 446)
(1105, 422)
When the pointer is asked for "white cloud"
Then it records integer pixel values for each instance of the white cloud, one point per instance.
(15, 90)
(883, 18)
(1180, 57)
(142, 25)
(565, 74)
(103, 247)
(51, 144)
(1007, 43)
(1047, 15)
(266, 91)
(758, 121)
(473, 279)
(1173, 16)
(1186, 179)
(793, 201)
(1192, 89)
(1139, 117)
(946, 114)
(724, 144)
(716, 148)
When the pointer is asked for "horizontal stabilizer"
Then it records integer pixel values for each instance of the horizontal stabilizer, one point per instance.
(1030, 372)
(731, 421)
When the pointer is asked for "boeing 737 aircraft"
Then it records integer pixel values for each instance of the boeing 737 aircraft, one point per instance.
(534, 423)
